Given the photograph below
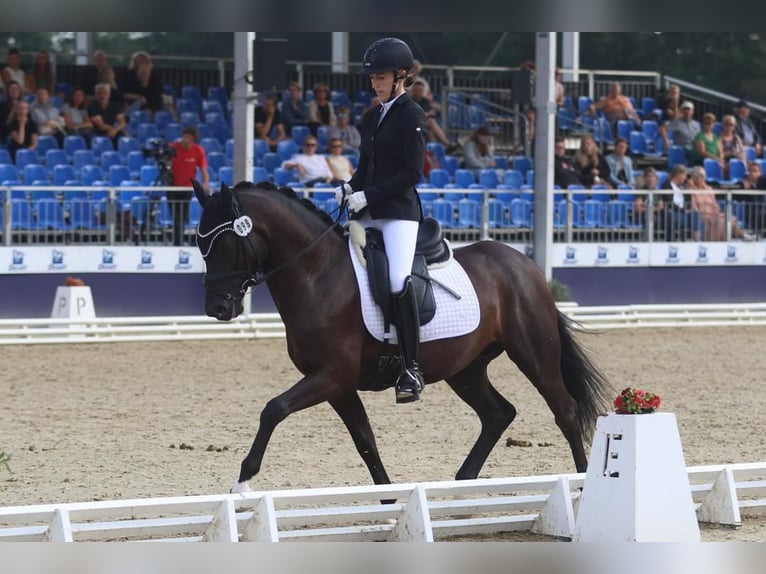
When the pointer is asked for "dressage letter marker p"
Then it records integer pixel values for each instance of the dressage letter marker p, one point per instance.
(73, 303)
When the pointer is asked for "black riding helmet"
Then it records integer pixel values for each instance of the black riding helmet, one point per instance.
(387, 54)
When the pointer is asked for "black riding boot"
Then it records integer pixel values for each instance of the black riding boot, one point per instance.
(410, 382)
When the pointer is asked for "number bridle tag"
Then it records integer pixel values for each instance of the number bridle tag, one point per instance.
(243, 225)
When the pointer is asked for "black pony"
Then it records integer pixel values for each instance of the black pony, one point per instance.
(254, 233)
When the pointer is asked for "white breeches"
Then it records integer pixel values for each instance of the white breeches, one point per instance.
(400, 237)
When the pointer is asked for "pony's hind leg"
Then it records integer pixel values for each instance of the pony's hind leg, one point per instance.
(537, 353)
(495, 413)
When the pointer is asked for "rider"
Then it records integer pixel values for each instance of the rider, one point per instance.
(382, 191)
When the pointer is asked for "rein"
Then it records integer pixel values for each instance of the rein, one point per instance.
(252, 279)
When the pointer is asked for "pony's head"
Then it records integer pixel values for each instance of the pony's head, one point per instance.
(232, 250)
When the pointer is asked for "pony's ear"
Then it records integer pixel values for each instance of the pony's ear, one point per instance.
(199, 191)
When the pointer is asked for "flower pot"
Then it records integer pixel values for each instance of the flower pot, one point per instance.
(636, 486)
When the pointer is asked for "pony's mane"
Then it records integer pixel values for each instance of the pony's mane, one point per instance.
(289, 193)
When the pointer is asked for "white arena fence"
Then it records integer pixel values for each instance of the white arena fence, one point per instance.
(429, 511)
(265, 325)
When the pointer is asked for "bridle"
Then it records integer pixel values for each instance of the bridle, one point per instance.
(213, 281)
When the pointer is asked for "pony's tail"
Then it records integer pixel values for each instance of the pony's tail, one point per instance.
(587, 385)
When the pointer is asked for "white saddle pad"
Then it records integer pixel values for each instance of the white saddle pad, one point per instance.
(454, 317)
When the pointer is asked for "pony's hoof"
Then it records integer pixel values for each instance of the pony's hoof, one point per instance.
(240, 487)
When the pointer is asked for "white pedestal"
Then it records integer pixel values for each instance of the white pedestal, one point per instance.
(73, 303)
(636, 487)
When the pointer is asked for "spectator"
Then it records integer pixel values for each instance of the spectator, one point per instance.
(415, 72)
(42, 74)
(713, 226)
(23, 130)
(12, 72)
(671, 101)
(663, 128)
(115, 93)
(294, 111)
(591, 165)
(340, 165)
(189, 157)
(616, 107)
(435, 132)
(312, 167)
(684, 129)
(321, 110)
(8, 107)
(731, 143)
(559, 90)
(620, 164)
(47, 116)
(746, 129)
(146, 92)
(479, 153)
(754, 204)
(76, 119)
(673, 217)
(649, 181)
(106, 116)
(346, 132)
(707, 144)
(564, 171)
(268, 122)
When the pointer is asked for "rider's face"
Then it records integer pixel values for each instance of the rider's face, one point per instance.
(381, 84)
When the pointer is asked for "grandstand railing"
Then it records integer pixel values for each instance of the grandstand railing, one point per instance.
(73, 215)
(269, 325)
(423, 512)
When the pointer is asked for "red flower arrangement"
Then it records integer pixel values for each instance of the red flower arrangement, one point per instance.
(73, 282)
(636, 401)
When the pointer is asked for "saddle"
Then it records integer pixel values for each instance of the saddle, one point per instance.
(431, 249)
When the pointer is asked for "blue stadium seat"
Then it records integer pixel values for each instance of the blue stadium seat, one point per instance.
(271, 161)
(99, 145)
(138, 117)
(215, 161)
(110, 158)
(287, 148)
(126, 145)
(44, 144)
(192, 94)
(63, 173)
(624, 128)
(83, 157)
(450, 163)
(54, 157)
(118, 173)
(737, 170)
(50, 214)
(82, 214)
(522, 164)
(226, 175)
(650, 129)
(299, 133)
(34, 172)
(750, 153)
(676, 155)
(464, 178)
(521, 213)
(215, 119)
(25, 157)
(583, 103)
(443, 212)
(513, 179)
(173, 131)
(211, 145)
(135, 161)
(72, 144)
(161, 119)
(260, 174)
(488, 178)
(213, 106)
(91, 173)
(185, 105)
(647, 105)
(438, 177)
(323, 138)
(148, 175)
(469, 214)
(283, 176)
(146, 132)
(189, 119)
(260, 149)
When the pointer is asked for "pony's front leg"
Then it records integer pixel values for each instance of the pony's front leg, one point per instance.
(309, 391)
(351, 411)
